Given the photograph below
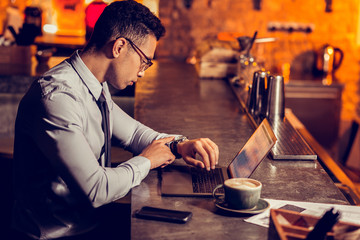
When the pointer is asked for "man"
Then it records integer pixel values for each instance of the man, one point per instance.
(61, 169)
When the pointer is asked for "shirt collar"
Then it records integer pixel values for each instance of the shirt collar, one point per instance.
(91, 82)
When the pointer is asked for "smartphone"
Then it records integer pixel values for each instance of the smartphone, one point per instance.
(161, 214)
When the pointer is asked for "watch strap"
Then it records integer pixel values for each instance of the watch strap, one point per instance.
(173, 145)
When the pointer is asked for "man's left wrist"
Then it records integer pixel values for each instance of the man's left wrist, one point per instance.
(174, 145)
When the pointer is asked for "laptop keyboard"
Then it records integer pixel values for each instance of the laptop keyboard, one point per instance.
(204, 181)
(290, 145)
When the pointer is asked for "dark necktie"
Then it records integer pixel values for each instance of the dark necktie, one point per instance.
(106, 128)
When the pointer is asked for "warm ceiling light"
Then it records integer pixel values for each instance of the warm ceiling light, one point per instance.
(50, 28)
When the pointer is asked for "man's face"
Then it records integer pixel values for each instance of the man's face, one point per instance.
(125, 70)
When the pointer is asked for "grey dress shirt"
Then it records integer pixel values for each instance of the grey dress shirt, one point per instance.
(58, 142)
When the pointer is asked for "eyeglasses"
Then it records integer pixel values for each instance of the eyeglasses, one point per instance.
(145, 64)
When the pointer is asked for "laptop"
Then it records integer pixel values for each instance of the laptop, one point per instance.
(183, 180)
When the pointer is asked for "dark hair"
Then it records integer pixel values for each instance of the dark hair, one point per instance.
(125, 19)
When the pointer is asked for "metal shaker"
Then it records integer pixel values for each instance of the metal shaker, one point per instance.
(276, 98)
(251, 99)
(257, 103)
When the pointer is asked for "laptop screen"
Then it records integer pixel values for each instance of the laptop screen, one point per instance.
(253, 152)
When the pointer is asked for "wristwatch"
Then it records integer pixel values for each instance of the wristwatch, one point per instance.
(173, 145)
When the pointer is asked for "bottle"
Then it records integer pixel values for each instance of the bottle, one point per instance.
(33, 18)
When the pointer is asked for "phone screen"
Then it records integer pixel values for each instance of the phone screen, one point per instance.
(163, 214)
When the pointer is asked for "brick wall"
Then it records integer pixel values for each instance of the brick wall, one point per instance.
(187, 29)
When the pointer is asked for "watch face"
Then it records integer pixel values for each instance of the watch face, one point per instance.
(180, 139)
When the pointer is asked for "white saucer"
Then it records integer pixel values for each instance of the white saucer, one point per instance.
(260, 207)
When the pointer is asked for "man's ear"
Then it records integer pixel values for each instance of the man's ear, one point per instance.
(118, 47)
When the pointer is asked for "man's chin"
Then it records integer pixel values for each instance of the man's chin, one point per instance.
(117, 87)
(122, 86)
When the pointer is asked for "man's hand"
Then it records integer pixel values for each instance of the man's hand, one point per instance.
(204, 147)
(158, 153)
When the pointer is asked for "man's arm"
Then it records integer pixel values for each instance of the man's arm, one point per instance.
(133, 135)
(137, 137)
(64, 144)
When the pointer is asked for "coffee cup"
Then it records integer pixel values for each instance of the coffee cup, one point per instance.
(240, 193)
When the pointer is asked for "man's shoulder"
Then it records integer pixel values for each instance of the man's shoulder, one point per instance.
(61, 78)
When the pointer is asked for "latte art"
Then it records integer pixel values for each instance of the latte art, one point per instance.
(241, 184)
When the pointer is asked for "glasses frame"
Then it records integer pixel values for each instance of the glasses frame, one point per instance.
(145, 64)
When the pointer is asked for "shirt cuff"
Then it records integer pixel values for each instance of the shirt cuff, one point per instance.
(141, 167)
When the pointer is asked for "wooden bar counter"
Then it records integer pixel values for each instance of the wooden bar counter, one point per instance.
(172, 99)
